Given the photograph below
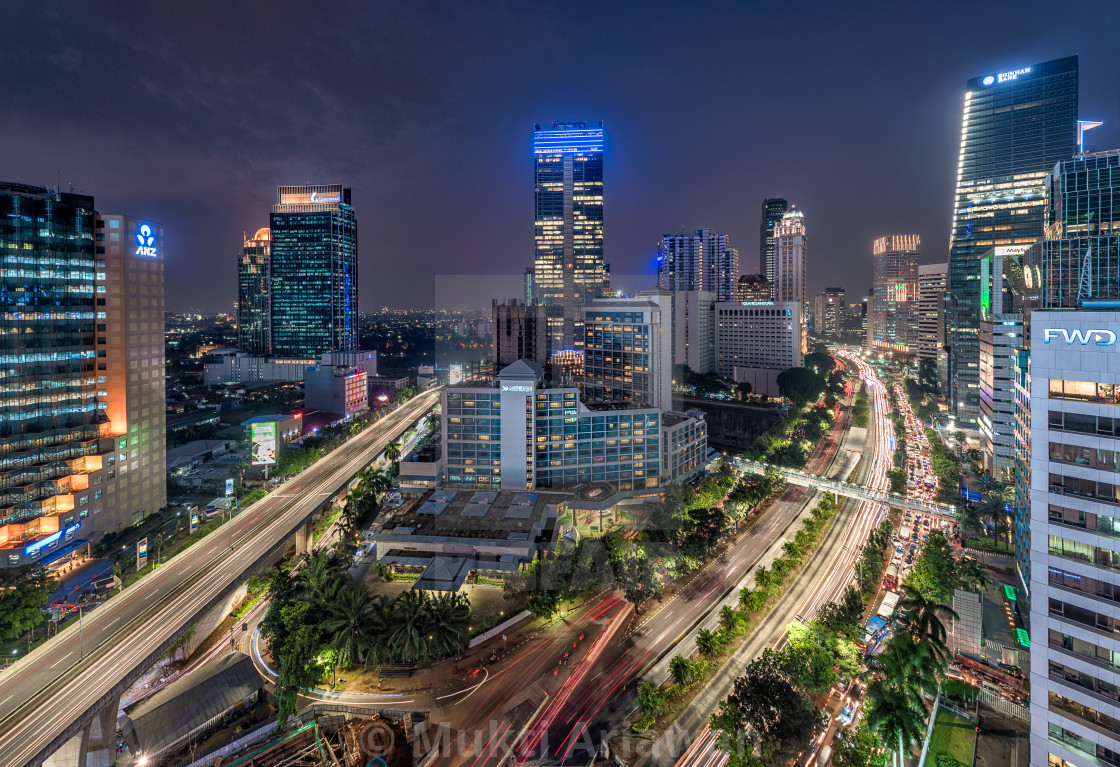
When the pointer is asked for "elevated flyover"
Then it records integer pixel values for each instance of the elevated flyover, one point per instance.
(63, 696)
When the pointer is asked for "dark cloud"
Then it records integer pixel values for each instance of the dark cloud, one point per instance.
(191, 114)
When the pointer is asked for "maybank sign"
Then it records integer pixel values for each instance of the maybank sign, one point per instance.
(1097, 336)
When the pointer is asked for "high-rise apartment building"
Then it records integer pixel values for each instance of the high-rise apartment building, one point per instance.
(789, 258)
(773, 208)
(894, 307)
(702, 260)
(627, 350)
(314, 267)
(254, 294)
(828, 312)
(694, 340)
(81, 373)
(1016, 125)
(933, 284)
(568, 271)
(520, 333)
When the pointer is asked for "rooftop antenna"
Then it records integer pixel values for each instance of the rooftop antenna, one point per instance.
(1085, 284)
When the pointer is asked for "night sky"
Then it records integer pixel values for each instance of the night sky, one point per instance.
(191, 114)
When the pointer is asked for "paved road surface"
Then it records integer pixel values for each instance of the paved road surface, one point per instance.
(63, 679)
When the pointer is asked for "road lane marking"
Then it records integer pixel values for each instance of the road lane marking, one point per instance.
(64, 657)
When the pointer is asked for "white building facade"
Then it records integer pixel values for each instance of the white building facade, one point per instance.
(789, 258)
(1075, 538)
(757, 341)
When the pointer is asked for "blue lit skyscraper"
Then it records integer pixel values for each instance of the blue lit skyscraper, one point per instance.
(1016, 125)
(568, 271)
(314, 271)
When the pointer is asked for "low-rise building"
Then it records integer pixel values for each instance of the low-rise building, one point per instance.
(520, 433)
(336, 389)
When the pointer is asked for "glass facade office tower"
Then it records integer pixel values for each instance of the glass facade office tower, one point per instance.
(254, 295)
(568, 271)
(773, 209)
(82, 433)
(894, 296)
(314, 257)
(1016, 126)
(1079, 261)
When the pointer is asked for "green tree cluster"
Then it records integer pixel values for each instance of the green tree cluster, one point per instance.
(801, 385)
(24, 595)
(937, 572)
(912, 663)
(319, 620)
(947, 466)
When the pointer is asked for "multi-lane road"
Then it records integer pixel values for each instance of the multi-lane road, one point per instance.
(590, 662)
(691, 743)
(82, 669)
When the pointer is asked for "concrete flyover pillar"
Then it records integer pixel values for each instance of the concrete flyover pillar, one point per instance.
(94, 746)
(303, 538)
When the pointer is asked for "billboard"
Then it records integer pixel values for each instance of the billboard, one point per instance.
(456, 374)
(265, 443)
(141, 553)
(229, 487)
(194, 521)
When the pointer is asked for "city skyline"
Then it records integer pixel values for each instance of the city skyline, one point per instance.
(169, 152)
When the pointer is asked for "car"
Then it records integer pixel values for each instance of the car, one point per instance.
(847, 713)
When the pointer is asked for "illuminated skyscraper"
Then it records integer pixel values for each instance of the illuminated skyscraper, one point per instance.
(81, 373)
(773, 209)
(314, 261)
(568, 271)
(254, 295)
(789, 258)
(1016, 126)
(894, 300)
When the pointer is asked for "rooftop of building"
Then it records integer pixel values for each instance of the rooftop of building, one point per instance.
(793, 212)
(479, 514)
(270, 418)
(751, 279)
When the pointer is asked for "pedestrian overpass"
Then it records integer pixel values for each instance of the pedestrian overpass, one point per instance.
(848, 489)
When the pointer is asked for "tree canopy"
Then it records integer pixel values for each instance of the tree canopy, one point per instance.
(800, 385)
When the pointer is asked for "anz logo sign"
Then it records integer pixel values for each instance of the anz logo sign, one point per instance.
(1083, 337)
(147, 241)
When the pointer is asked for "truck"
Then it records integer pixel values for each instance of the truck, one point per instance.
(825, 756)
(887, 606)
(890, 579)
(904, 533)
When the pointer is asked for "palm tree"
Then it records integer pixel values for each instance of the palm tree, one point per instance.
(392, 450)
(444, 625)
(708, 643)
(686, 672)
(993, 509)
(320, 579)
(407, 637)
(353, 625)
(651, 700)
(893, 717)
(919, 617)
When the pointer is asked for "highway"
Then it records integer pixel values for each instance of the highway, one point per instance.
(61, 681)
(587, 694)
(691, 743)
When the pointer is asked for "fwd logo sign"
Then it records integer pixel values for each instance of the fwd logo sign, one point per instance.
(1083, 337)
